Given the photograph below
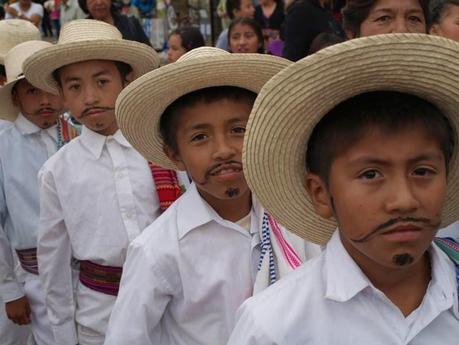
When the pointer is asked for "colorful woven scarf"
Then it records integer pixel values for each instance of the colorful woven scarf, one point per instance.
(287, 252)
(167, 185)
(65, 132)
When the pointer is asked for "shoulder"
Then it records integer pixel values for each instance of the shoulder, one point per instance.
(61, 158)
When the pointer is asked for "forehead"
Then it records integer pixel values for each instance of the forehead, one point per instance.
(87, 69)
(242, 28)
(214, 114)
(396, 5)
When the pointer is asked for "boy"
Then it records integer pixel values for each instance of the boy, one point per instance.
(36, 134)
(98, 193)
(378, 131)
(187, 274)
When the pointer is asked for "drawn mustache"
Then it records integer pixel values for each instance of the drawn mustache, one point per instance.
(45, 110)
(215, 167)
(88, 110)
(383, 227)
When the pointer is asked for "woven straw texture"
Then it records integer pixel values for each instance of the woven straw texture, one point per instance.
(293, 102)
(13, 67)
(83, 40)
(15, 31)
(141, 104)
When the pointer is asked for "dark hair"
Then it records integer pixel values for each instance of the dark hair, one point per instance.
(324, 40)
(254, 25)
(2, 12)
(389, 111)
(437, 9)
(2, 70)
(191, 37)
(84, 7)
(356, 11)
(231, 6)
(122, 67)
(169, 120)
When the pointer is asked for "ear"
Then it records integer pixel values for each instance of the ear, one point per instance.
(434, 30)
(175, 157)
(129, 78)
(350, 35)
(318, 192)
(15, 98)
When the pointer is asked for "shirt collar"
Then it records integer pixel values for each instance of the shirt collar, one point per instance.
(95, 142)
(345, 279)
(25, 126)
(194, 212)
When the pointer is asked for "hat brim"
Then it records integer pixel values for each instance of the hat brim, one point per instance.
(8, 111)
(38, 68)
(141, 104)
(294, 101)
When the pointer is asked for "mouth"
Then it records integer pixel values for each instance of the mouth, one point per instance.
(227, 171)
(46, 112)
(95, 112)
(403, 233)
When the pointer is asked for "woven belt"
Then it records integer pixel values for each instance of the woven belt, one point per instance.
(105, 279)
(28, 260)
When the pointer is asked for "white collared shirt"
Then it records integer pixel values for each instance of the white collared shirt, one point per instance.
(24, 148)
(186, 276)
(97, 194)
(329, 300)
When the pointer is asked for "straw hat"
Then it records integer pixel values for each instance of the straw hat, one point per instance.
(15, 31)
(13, 67)
(140, 105)
(83, 40)
(293, 102)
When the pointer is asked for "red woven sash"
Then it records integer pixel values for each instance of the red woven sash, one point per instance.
(167, 185)
(105, 279)
(28, 260)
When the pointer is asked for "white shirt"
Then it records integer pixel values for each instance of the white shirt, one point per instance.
(329, 300)
(24, 148)
(186, 276)
(97, 194)
(450, 231)
(33, 9)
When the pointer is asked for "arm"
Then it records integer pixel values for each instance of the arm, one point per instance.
(54, 255)
(142, 300)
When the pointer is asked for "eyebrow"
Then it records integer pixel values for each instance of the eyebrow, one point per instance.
(95, 75)
(206, 125)
(368, 160)
(391, 10)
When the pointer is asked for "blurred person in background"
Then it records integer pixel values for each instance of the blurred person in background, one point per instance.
(105, 11)
(183, 40)
(235, 9)
(245, 36)
(270, 15)
(444, 18)
(26, 10)
(70, 11)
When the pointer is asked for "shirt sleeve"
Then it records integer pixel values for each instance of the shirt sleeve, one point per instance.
(142, 300)
(38, 10)
(222, 41)
(10, 289)
(54, 263)
(247, 330)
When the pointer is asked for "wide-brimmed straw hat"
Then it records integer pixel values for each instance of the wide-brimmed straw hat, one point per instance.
(13, 67)
(13, 32)
(140, 105)
(83, 40)
(291, 104)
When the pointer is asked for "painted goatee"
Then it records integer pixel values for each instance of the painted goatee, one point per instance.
(232, 192)
(402, 259)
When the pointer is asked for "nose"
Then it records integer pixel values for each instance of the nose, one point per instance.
(400, 25)
(223, 149)
(90, 94)
(45, 98)
(401, 198)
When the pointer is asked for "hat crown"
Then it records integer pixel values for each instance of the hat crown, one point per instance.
(202, 52)
(87, 30)
(15, 31)
(17, 55)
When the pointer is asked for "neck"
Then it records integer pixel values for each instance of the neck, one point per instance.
(230, 209)
(405, 287)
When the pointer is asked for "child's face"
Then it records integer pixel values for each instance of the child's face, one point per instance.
(386, 193)
(175, 50)
(209, 140)
(243, 39)
(39, 107)
(449, 24)
(90, 89)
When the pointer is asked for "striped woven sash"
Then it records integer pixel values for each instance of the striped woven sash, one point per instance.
(28, 260)
(104, 279)
(167, 185)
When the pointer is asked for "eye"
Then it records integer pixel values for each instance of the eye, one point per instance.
(424, 172)
(370, 175)
(199, 137)
(32, 91)
(238, 130)
(74, 87)
(383, 19)
(102, 82)
(416, 19)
